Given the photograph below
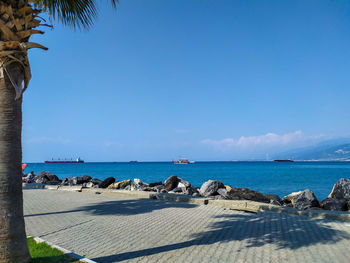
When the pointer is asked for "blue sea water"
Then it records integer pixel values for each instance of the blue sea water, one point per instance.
(266, 177)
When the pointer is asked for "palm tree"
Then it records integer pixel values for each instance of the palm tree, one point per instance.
(19, 20)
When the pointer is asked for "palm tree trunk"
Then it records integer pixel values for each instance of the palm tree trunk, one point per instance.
(13, 243)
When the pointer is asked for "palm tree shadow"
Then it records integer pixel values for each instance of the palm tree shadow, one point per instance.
(282, 230)
(121, 207)
(53, 259)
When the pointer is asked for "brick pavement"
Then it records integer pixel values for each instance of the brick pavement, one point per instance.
(113, 228)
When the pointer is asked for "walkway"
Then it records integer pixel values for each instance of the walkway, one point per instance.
(112, 228)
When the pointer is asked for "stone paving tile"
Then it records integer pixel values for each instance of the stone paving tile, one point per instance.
(112, 228)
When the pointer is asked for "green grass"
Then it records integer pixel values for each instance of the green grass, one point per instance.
(42, 252)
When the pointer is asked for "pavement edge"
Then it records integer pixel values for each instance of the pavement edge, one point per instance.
(65, 251)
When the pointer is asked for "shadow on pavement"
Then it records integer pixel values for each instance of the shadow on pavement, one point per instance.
(54, 259)
(122, 207)
(283, 230)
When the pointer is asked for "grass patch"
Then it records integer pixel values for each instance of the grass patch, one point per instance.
(42, 252)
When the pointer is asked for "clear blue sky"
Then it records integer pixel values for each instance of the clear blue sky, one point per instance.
(207, 80)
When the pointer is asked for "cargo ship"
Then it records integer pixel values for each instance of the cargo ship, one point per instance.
(284, 161)
(78, 160)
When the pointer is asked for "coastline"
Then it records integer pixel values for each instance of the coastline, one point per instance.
(337, 200)
(265, 177)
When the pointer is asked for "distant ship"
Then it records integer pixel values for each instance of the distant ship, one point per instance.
(183, 161)
(284, 161)
(78, 160)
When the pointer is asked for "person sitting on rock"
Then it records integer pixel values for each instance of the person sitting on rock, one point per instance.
(29, 178)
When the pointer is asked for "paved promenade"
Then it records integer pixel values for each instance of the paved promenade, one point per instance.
(112, 228)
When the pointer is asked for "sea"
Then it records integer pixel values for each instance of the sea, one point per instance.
(265, 177)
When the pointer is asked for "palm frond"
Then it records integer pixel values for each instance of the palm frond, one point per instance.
(75, 13)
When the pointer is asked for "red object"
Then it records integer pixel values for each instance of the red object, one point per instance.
(24, 166)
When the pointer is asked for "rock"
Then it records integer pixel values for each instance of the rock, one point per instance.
(119, 185)
(49, 175)
(191, 191)
(288, 200)
(108, 181)
(138, 185)
(150, 189)
(111, 186)
(210, 188)
(155, 184)
(223, 193)
(334, 204)
(86, 179)
(245, 194)
(341, 189)
(65, 181)
(89, 185)
(177, 190)
(171, 183)
(228, 188)
(183, 183)
(46, 178)
(75, 180)
(159, 187)
(124, 184)
(306, 200)
(96, 181)
(274, 199)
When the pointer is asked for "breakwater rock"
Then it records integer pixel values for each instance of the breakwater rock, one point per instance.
(338, 199)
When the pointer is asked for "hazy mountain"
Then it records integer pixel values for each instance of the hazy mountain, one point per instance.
(328, 150)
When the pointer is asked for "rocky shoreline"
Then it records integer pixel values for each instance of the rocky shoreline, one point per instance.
(338, 199)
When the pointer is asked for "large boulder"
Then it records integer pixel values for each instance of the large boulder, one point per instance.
(108, 181)
(289, 200)
(334, 204)
(86, 178)
(150, 189)
(183, 183)
(228, 188)
(243, 194)
(341, 189)
(210, 188)
(119, 185)
(88, 185)
(155, 184)
(96, 182)
(306, 200)
(50, 176)
(171, 183)
(191, 191)
(123, 184)
(46, 178)
(76, 180)
(138, 185)
(223, 193)
(274, 199)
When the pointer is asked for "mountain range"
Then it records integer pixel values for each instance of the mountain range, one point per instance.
(334, 150)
